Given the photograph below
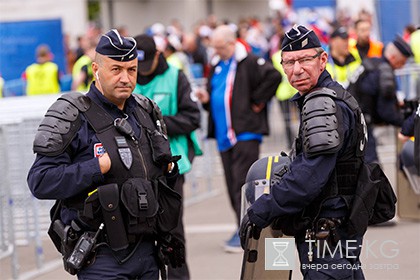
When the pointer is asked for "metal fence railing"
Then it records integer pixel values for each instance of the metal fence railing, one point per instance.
(409, 81)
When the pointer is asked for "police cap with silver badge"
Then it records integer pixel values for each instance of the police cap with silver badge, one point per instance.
(402, 46)
(117, 47)
(299, 38)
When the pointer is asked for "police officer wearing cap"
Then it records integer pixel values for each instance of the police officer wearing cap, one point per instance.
(311, 200)
(375, 87)
(342, 62)
(410, 152)
(103, 156)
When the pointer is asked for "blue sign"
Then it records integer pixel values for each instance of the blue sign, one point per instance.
(393, 16)
(18, 43)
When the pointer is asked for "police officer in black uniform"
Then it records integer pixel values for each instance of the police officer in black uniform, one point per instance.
(105, 158)
(311, 200)
(374, 86)
(410, 153)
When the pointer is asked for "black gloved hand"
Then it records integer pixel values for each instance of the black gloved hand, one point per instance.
(243, 231)
(171, 251)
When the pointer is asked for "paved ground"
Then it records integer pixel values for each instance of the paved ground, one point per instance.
(389, 252)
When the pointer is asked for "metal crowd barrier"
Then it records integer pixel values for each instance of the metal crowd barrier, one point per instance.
(17, 87)
(409, 81)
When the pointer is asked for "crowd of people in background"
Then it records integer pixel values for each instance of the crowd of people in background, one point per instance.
(347, 40)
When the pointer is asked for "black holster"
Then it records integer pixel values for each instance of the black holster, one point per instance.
(68, 238)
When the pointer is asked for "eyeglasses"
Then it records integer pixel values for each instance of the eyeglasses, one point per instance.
(304, 61)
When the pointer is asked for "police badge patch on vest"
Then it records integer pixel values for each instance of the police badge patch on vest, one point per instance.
(124, 151)
(98, 150)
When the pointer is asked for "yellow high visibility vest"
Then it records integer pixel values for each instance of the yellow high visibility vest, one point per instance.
(341, 74)
(415, 45)
(375, 49)
(77, 68)
(42, 79)
(284, 91)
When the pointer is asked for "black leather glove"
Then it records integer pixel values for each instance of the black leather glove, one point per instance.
(244, 227)
(171, 251)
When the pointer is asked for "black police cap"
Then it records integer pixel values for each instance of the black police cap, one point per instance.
(340, 32)
(402, 46)
(117, 47)
(299, 38)
(146, 50)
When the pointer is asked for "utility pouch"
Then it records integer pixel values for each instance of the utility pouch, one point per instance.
(374, 200)
(139, 199)
(91, 210)
(161, 150)
(169, 207)
(111, 212)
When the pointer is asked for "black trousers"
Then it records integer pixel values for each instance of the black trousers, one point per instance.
(236, 163)
(141, 265)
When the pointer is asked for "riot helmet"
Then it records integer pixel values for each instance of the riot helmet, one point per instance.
(261, 176)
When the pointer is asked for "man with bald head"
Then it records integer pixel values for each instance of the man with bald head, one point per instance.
(240, 85)
(103, 156)
(374, 85)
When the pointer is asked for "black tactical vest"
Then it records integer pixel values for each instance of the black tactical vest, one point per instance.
(368, 100)
(346, 171)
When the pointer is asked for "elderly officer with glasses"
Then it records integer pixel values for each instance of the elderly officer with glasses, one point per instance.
(311, 201)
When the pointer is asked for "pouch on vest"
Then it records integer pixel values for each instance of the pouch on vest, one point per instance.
(91, 216)
(169, 207)
(111, 212)
(374, 200)
(161, 151)
(139, 199)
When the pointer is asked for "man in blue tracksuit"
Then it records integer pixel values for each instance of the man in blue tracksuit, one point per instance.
(314, 193)
(240, 85)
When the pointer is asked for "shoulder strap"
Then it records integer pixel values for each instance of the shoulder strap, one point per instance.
(98, 118)
(152, 109)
